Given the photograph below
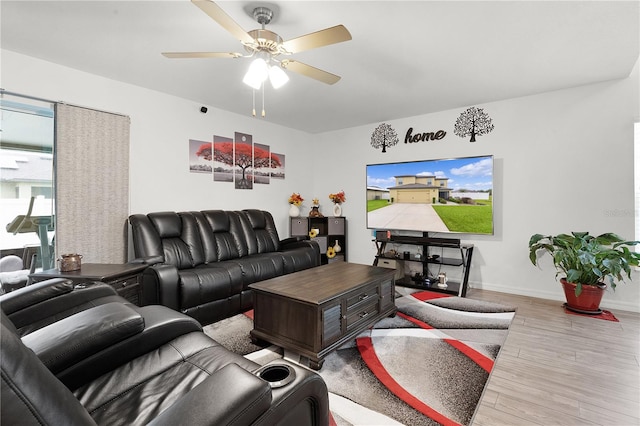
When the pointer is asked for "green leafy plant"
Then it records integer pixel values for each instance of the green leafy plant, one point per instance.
(585, 259)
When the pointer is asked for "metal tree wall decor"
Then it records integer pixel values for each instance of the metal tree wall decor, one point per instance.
(473, 122)
(384, 136)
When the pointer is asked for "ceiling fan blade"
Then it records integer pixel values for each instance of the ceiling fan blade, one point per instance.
(225, 21)
(325, 37)
(309, 71)
(188, 55)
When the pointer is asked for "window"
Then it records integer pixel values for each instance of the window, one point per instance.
(26, 176)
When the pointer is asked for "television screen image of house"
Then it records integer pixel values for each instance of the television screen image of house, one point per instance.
(453, 195)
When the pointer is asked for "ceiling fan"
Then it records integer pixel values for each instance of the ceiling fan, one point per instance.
(269, 46)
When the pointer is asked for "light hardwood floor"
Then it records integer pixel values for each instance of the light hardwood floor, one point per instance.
(561, 369)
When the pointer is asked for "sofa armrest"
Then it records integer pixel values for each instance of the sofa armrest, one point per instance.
(160, 286)
(230, 396)
(290, 240)
(33, 294)
(148, 260)
(49, 310)
(304, 401)
(161, 325)
(74, 338)
(297, 242)
(301, 242)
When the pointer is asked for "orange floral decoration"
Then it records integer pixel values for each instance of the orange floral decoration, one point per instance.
(338, 198)
(296, 199)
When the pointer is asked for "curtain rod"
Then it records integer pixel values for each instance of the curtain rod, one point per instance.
(35, 98)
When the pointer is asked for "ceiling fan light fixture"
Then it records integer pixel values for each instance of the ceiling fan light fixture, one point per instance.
(277, 76)
(257, 73)
(265, 46)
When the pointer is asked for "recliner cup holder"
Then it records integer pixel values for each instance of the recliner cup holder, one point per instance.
(277, 375)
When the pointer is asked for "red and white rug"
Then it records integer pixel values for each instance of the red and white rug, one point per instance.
(428, 365)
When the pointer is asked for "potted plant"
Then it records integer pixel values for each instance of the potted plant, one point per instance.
(588, 264)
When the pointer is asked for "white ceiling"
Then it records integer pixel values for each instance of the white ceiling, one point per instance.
(406, 58)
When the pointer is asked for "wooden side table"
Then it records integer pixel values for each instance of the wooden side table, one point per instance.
(124, 278)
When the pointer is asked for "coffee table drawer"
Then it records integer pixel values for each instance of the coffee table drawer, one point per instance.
(362, 297)
(355, 317)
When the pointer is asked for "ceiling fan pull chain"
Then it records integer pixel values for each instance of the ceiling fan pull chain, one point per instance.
(254, 102)
(263, 113)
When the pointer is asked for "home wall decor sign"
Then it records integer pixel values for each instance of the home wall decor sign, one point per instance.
(423, 137)
(473, 122)
(236, 159)
(384, 136)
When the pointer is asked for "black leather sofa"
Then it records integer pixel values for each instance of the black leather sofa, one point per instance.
(203, 262)
(118, 364)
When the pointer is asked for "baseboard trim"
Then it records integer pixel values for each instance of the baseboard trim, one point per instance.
(550, 295)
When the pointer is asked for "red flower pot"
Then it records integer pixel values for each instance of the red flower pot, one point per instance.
(589, 299)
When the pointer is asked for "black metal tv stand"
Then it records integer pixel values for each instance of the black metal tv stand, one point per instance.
(457, 255)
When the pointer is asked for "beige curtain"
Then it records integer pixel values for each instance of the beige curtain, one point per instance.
(92, 184)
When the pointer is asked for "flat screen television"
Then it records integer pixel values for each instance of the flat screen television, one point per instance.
(453, 195)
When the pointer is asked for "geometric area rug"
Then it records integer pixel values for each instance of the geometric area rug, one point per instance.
(427, 365)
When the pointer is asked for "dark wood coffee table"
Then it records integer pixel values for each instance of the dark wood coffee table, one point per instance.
(315, 311)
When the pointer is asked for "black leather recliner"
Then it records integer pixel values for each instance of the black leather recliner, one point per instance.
(127, 365)
(203, 262)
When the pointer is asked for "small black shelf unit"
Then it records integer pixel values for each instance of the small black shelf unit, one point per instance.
(458, 255)
(331, 231)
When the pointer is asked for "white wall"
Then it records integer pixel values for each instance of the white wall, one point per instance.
(161, 126)
(563, 162)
